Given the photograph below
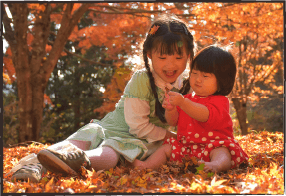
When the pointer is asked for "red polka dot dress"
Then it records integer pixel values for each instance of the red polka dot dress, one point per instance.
(198, 139)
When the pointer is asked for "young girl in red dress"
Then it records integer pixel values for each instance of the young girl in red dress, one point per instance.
(203, 120)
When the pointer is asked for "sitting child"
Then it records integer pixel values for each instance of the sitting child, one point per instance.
(204, 124)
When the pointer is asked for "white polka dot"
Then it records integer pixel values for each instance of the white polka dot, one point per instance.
(191, 142)
(232, 152)
(206, 153)
(188, 137)
(184, 141)
(231, 145)
(172, 141)
(211, 133)
(210, 145)
(217, 137)
(189, 132)
(174, 147)
(221, 142)
(204, 139)
(188, 150)
(235, 141)
(197, 135)
(238, 159)
(229, 138)
(168, 140)
(195, 146)
(173, 155)
(199, 154)
(212, 140)
(241, 154)
(183, 149)
(232, 162)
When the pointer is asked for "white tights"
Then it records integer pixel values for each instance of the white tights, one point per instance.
(101, 158)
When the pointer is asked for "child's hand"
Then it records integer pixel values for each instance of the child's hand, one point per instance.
(166, 103)
(170, 134)
(175, 99)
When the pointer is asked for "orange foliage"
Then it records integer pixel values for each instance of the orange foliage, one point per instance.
(114, 91)
(264, 175)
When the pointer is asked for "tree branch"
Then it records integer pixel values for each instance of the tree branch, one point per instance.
(67, 25)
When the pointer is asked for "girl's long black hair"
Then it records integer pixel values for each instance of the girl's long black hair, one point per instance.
(171, 33)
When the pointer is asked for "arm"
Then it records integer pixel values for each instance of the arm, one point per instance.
(136, 113)
(195, 110)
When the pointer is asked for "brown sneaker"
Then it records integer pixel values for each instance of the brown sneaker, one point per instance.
(33, 172)
(66, 163)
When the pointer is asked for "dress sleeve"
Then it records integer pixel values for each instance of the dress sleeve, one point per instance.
(219, 113)
(136, 113)
(138, 86)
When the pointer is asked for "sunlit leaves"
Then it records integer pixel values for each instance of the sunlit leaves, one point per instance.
(263, 176)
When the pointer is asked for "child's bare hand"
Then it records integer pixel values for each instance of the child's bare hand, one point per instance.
(166, 103)
(175, 99)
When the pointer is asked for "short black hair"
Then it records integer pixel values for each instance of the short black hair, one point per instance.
(221, 63)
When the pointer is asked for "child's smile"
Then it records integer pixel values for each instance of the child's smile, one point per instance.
(170, 73)
(169, 67)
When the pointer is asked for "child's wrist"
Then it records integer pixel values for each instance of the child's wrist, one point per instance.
(182, 102)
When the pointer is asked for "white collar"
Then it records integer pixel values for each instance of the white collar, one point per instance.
(178, 84)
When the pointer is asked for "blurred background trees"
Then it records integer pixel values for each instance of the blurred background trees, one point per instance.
(67, 63)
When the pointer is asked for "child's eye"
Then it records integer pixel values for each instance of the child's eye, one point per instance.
(162, 57)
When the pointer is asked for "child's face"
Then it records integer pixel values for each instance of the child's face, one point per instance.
(204, 84)
(169, 67)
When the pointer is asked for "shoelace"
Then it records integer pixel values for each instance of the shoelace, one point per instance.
(34, 167)
(74, 155)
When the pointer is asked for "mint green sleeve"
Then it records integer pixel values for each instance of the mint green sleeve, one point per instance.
(138, 86)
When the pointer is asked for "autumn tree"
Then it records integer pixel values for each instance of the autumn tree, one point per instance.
(32, 54)
(255, 33)
(27, 33)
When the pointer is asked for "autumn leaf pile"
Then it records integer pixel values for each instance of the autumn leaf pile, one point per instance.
(263, 175)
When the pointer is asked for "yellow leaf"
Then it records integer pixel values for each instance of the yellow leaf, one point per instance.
(48, 186)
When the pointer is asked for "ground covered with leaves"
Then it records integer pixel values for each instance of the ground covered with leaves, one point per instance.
(263, 175)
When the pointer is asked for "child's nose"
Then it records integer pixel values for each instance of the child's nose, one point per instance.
(198, 78)
(170, 64)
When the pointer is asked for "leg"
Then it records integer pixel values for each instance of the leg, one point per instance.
(83, 145)
(154, 161)
(220, 160)
(102, 158)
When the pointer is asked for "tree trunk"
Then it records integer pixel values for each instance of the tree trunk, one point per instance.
(240, 108)
(33, 67)
(21, 63)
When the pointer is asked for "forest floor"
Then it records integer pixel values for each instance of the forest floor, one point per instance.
(263, 175)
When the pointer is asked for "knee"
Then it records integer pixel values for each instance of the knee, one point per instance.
(219, 151)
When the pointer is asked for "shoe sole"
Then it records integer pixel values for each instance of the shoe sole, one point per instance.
(54, 164)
